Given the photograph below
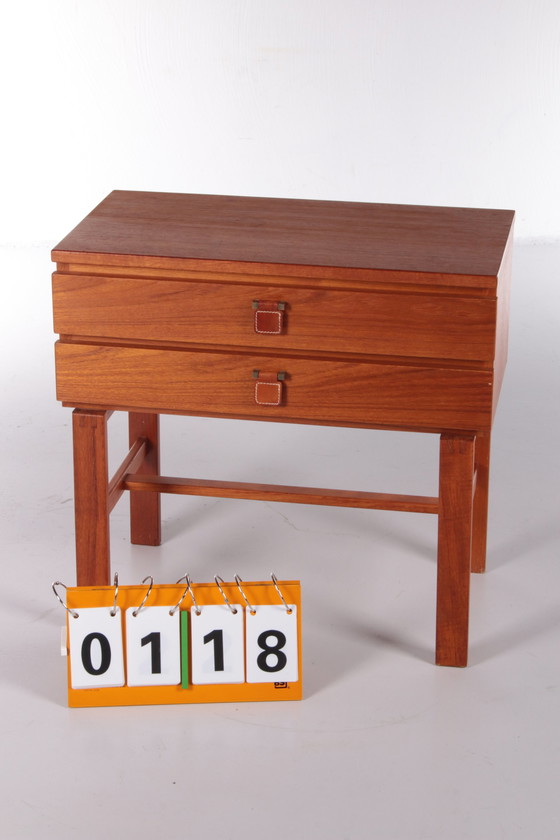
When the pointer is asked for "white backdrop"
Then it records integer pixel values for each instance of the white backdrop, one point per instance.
(412, 101)
(426, 101)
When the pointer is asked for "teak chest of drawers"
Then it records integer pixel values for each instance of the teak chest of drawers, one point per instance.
(346, 314)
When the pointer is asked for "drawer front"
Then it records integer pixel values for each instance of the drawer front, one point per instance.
(374, 323)
(223, 384)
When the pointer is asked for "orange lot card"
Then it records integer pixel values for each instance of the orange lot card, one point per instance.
(216, 637)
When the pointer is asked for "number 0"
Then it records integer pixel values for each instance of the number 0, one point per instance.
(105, 649)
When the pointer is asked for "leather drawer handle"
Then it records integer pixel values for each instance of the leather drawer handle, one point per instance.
(268, 387)
(269, 316)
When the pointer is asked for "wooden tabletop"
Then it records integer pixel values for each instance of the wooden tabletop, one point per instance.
(207, 228)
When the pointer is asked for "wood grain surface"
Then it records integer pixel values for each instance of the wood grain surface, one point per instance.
(387, 323)
(392, 317)
(202, 228)
(221, 384)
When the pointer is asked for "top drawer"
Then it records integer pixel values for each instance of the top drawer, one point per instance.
(375, 323)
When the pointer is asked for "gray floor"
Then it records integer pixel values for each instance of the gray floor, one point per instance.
(384, 744)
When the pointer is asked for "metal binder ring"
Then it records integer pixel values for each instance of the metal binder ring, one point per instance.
(147, 595)
(275, 582)
(187, 579)
(191, 593)
(238, 581)
(217, 578)
(116, 585)
(73, 613)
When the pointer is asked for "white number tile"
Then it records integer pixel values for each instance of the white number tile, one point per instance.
(272, 644)
(217, 645)
(96, 648)
(153, 647)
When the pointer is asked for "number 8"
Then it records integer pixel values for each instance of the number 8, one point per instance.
(272, 654)
(276, 650)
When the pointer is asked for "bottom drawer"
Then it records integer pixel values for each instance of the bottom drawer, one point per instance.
(314, 391)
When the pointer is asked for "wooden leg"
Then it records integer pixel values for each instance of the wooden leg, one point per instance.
(91, 507)
(145, 508)
(480, 508)
(456, 473)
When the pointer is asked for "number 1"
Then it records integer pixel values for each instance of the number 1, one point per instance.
(216, 636)
(217, 645)
(153, 646)
(154, 639)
